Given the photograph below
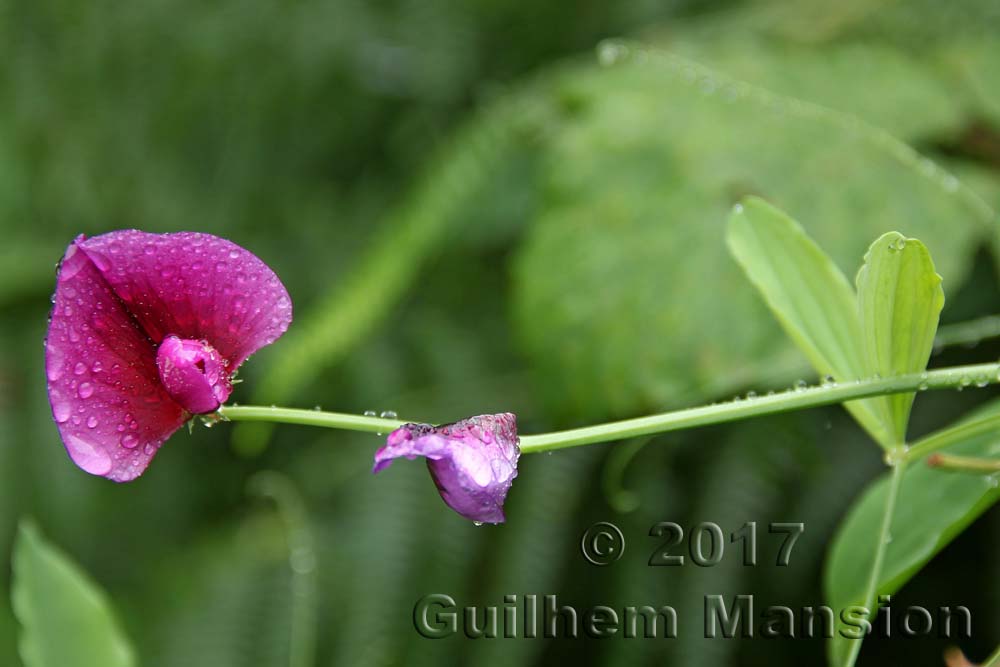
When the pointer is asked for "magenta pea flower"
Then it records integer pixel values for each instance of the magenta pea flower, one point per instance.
(473, 462)
(146, 331)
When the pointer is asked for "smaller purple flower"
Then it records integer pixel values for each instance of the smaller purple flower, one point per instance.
(473, 461)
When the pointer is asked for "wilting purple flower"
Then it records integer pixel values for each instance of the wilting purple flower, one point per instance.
(147, 330)
(473, 462)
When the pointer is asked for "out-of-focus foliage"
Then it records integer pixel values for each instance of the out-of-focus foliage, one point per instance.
(66, 618)
(571, 265)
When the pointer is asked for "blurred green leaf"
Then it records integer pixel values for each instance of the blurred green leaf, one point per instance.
(66, 618)
(933, 507)
(807, 292)
(623, 295)
(899, 301)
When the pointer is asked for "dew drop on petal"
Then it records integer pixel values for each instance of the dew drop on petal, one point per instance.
(91, 421)
(129, 441)
(85, 390)
(80, 368)
(61, 408)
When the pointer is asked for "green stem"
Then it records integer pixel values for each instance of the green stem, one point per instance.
(871, 590)
(944, 378)
(951, 435)
(341, 420)
(964, 463)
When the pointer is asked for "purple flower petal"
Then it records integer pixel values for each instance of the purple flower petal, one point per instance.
(104, 388)
(194, 286)
(198, 304)
(473, 462)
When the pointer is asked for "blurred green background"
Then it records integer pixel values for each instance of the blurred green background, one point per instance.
(474, 212)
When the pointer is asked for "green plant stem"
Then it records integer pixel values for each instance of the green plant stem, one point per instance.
(797, 399)
(994, 659)
(945, 378)
(871, 590)
(952, 435)
(964, 464)
(341, 420)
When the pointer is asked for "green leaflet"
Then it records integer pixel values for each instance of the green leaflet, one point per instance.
(899, 300)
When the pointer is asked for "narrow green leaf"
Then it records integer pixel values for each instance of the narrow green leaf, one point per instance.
(899, 301)
(807, 293)
(933, 507)
(66, 620)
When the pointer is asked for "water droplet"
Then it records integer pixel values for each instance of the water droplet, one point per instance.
(801, 385)
(129, 441)
(477, 523)
(922, 386)
(61, 409)
(751, 395)
(888, 538)
(91, 421)
(85, 390)
(79, 369)
(738, 208)
(388, 414)
(371, 413)
(234, 254)
(828, 381)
